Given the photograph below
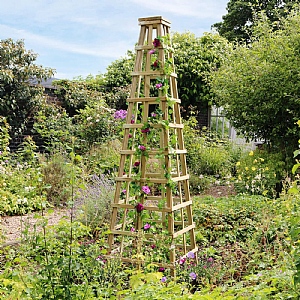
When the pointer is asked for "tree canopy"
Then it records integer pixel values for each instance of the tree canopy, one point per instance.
(194, 57)
(238, 22)
(258, 84)
(18, 97)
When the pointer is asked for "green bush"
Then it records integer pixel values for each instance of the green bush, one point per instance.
(93, 203)
(208, 155)
(55, 127)
(21, 189)
(103, 158)
(259, 173)
(60, 175)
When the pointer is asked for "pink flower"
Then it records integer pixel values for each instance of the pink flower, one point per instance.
(147, 226)
(130, 135)
(161, 269)
(142, 148)
(164, 279)
(146, 189)
(156, 42)
(158, 85)
(123, 191)
(153, 246)
(182, 260)
(132, 229)
(152, 51)
(139, 207)
(153, 115)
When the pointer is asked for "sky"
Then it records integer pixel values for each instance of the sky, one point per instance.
(82, 37)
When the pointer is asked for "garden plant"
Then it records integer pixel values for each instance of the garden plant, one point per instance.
(248, 238)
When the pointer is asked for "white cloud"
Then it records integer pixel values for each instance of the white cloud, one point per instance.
(193, 8)
(111, 50)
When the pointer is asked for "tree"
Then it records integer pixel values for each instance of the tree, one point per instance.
(194, 57)
(19, 99)
(258, 84)
(241, 14)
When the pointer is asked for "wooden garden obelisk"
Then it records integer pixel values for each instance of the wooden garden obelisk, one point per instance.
(152, 207)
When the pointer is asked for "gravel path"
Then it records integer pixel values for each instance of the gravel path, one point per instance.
(12, 226)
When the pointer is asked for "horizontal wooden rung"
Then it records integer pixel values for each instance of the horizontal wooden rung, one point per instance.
(184, 230)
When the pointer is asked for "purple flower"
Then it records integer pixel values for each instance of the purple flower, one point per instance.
(210, 260)
(145, 130)
(123, 191)
(153, 115)
(158, 85)
(147, 226)
(120, 114)
(139, 207)
(193, 275)
(153, 246)
(132, 229)
(161, 269)
(146, 189)
(190, 255)
(164, 279)
(130, 135)
(156, 42)
(142, 148)
(152, 51)
(136, 164)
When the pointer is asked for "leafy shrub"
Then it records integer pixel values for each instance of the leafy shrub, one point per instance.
(94, 124)
(57, 173)
(259, 173)
(94, 202)
(103, 158)
(199, 183)
(207, 155)
(4, 138)
(54, 127)
(21, 189)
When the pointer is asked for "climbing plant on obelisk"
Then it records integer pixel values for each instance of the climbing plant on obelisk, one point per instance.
(152, 217)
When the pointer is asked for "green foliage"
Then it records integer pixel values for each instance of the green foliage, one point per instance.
(93, 203)
(119, 72)
(54, 127)
(260, 173)
(94, 124)
(237, 24)
(4, 138)
(67, 265)
(103, 158)
(194, 58)
(258, 85)
(19, 99)
(21, 189)
(207, 155)
(57, 173)
(75, 95)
